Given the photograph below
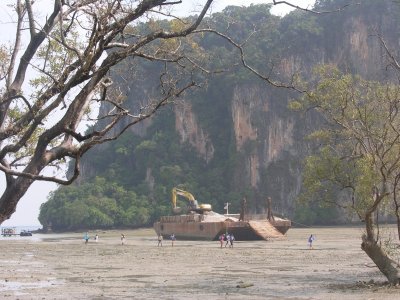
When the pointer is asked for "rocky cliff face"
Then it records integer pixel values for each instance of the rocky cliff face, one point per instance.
(254, 120)
(267, 136)
(245, 101)
(263, 132)
(259, 116)
(189, 130)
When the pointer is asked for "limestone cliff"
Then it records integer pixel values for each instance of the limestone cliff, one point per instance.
(242, 131)
(189, 130)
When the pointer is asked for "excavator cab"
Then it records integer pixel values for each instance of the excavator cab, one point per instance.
(192, 205)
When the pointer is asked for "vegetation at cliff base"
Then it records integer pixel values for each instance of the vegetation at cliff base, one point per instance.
(204, 155)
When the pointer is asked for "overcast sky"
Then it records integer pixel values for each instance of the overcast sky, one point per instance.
(28, 207)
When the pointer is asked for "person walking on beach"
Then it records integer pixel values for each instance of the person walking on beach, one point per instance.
(231, 240)
(96, 238)
(173, 238)
(122, 239)
(160, 239)
(86, 237)
(310, 241)
(221, 239)
(227, 239)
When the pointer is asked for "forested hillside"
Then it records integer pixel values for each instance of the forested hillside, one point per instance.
(235, 136)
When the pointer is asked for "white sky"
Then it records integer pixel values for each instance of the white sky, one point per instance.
(28, 207)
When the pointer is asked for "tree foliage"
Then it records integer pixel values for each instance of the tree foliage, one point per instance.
(48, 87)
(96, 204)
(358, 152)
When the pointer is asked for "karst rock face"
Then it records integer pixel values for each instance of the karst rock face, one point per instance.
(253, 117)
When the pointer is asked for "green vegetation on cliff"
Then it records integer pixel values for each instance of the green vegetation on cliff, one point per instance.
(129, 182)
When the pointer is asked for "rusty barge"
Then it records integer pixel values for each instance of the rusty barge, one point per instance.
(201, 223)
(211, 225)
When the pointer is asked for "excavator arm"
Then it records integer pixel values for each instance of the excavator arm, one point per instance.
(193, 204)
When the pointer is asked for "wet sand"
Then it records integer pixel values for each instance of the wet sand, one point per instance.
(62, 266)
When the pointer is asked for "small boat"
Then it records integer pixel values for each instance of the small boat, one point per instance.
(9, 231)
(25, 233)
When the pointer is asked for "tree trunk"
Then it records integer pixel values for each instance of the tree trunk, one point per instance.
(11, 196)
(398, 223)
(397, 213)
(386, 265)
(17, 187)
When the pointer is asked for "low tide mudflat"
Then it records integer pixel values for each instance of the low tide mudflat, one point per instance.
(62, 266)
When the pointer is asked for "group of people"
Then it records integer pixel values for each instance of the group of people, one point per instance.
(86, 237)
(160, 240)
(228, 238)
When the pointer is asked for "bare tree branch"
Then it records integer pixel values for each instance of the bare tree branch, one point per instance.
(311, 10)
(17, 43)
(30, 17)
(72, 75)
(247, 66)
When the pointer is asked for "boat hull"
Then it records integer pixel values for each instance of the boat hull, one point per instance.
(197, 227)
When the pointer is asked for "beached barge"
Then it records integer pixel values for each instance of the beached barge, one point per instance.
(210, 225)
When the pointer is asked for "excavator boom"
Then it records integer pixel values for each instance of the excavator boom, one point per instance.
(193, 204)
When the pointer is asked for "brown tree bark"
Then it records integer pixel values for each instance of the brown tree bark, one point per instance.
(370, 245)
(397, 213)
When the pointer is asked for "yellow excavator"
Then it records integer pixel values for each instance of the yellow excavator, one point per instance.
(193, 204)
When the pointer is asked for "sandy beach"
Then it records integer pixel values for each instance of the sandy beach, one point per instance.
(62, 266)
